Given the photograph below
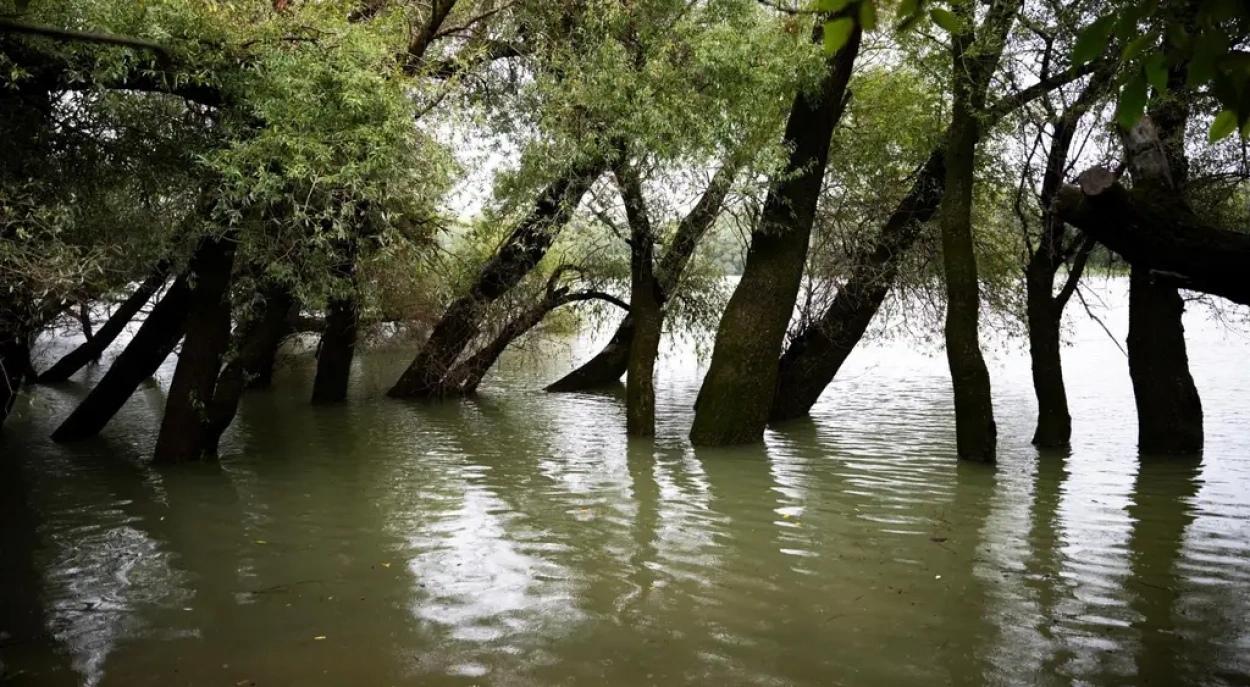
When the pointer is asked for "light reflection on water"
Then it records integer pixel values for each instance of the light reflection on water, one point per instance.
(520, 539)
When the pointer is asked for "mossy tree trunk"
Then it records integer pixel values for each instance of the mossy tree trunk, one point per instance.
(184, 432)
(737, 394)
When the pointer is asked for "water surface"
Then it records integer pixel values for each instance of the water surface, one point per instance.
(520, 539)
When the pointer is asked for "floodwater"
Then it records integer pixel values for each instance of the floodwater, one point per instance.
(520, 539)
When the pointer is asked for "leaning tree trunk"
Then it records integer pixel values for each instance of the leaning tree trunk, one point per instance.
(94, 347)
(737, 394)
(184, 432)
(817, 352)
(607, 366)
(815, 355)
(255, 347)
(141, 358)
(523, 250)
(338, 341)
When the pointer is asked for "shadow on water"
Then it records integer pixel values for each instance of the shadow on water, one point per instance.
(1162, 511)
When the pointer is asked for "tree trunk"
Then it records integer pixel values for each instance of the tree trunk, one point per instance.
(255, 347)
(974, 59)
(338, 341)
(815, 355)
(336, 351)
(13, 350)
(523, 250)
(1054, 423)
(92, 349)
(975, 431)
(1169, 411)
(141, 358)
(465, 377)
(646, 299)
(184, 432)
(606, 367)
(737, 393)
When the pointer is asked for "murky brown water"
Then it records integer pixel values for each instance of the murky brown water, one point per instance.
(520, 539)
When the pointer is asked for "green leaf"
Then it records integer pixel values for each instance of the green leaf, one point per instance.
(1224, 125)
(868, 14)
(1157, 73)
(906, 8)
(837, 33)
(945, 19)
(1093, 40)
(832, 5)
(1133, 99)
(1136, 46)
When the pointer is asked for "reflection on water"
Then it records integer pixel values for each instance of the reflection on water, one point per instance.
(521, 539)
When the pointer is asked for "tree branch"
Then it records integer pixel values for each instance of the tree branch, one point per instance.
(15, 26)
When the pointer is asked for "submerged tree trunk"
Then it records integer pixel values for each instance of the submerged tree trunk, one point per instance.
(525, 247)
(737, 393)
(184, 429)
(1044, 308)
(974, 59)
(141, 358)
(94, 347)
(338, 341)
(815, 355)
(607, 366)
(1169, 410)
(255, 346)
(646, 299)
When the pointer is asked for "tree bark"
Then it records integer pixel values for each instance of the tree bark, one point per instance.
(94, 347)
(737, 393)
(260, 337)
(338, 341)
(607, 366)
(815, 355)
(141, 358)
(184, 432)
(522, 251)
